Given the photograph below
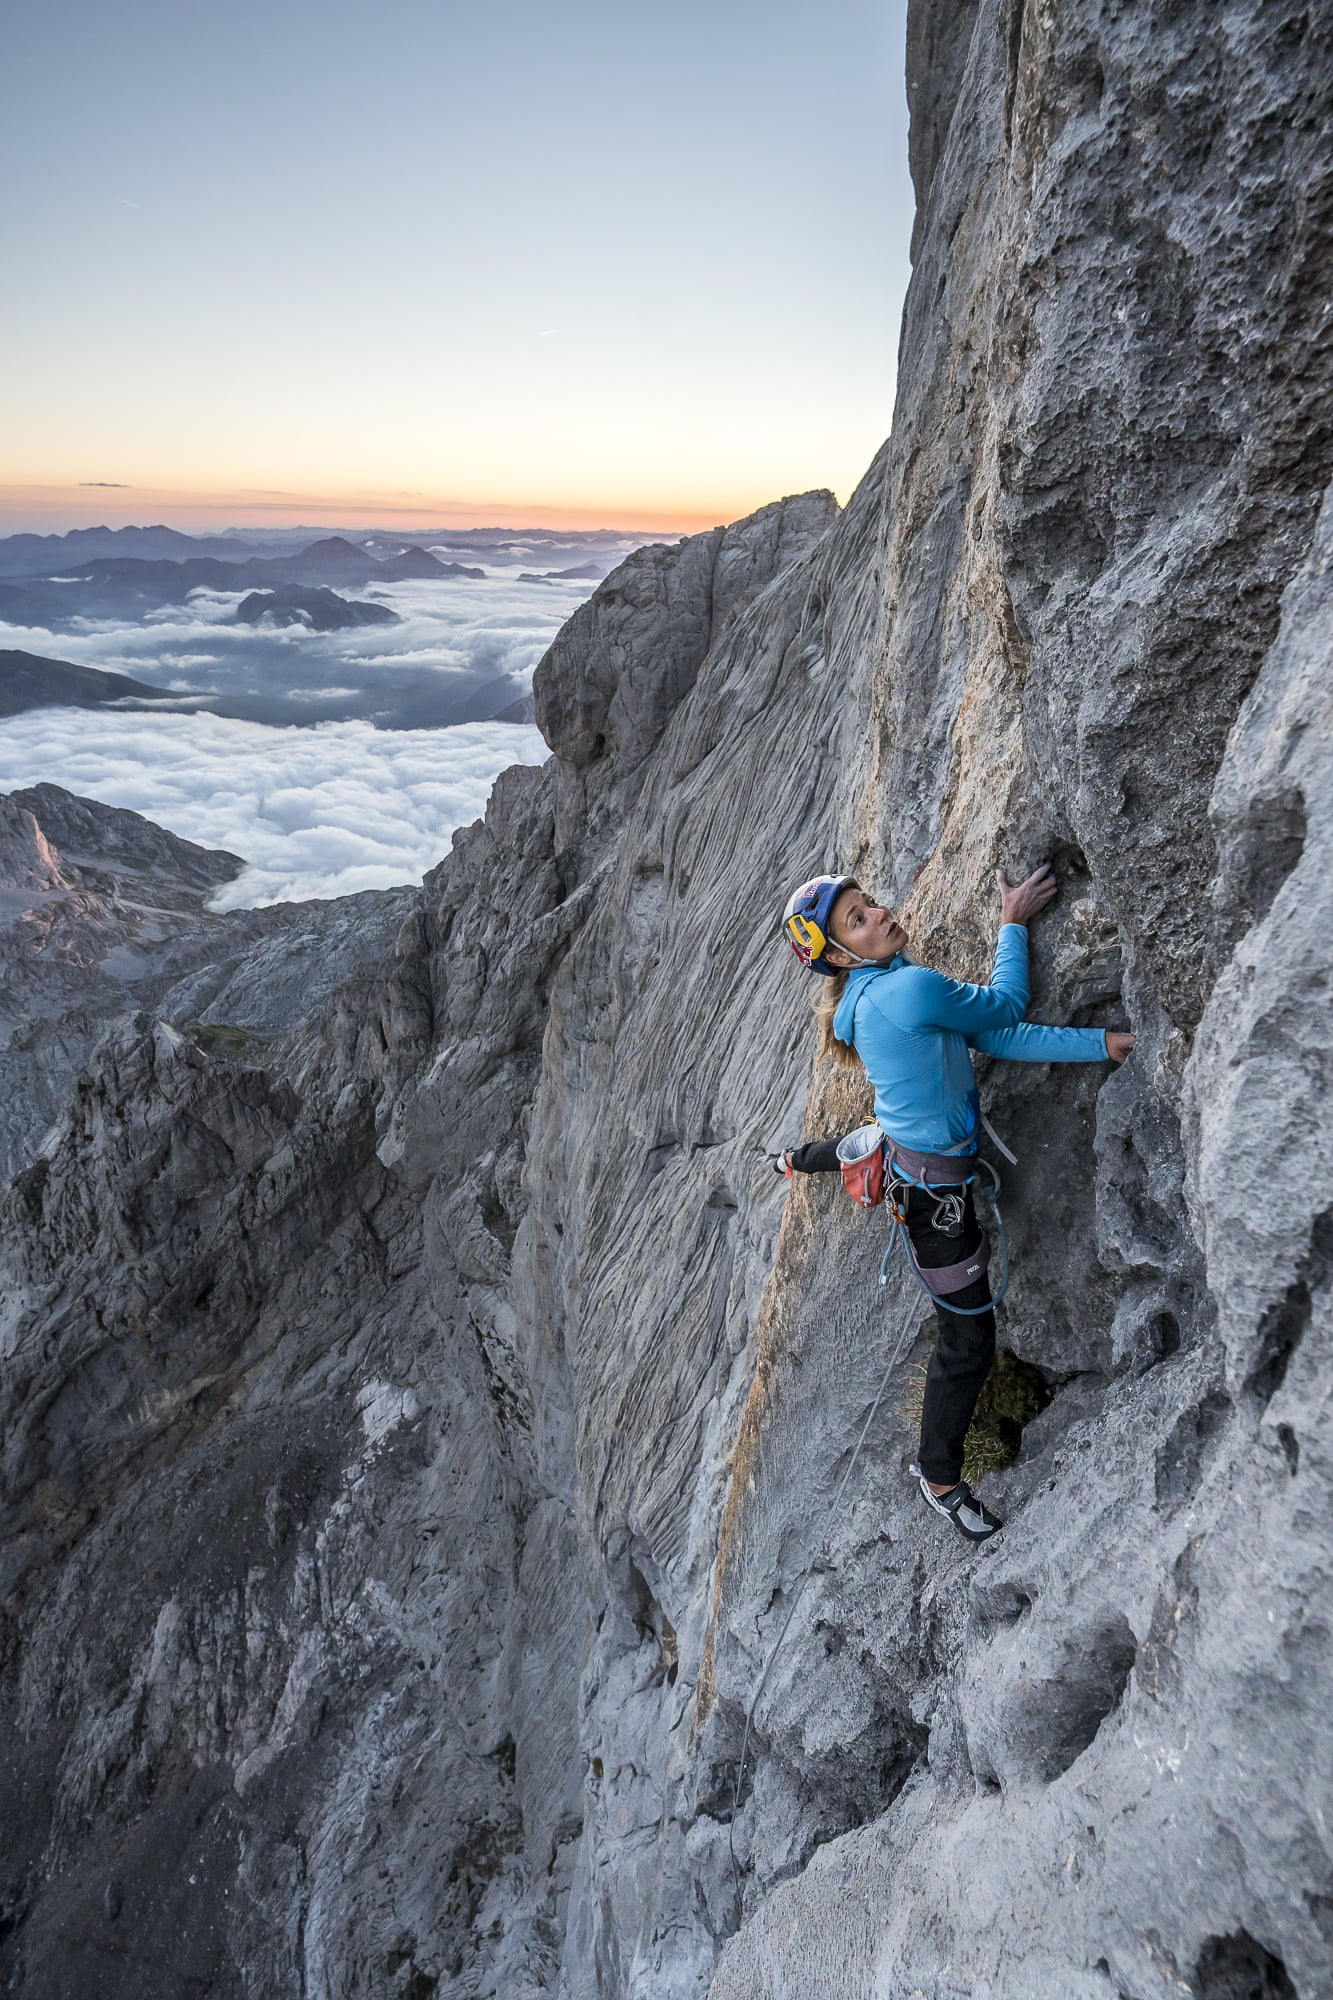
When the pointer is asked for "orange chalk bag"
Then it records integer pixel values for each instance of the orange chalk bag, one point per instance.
(861, 1158)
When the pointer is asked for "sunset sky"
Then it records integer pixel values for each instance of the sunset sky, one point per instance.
(423, 263)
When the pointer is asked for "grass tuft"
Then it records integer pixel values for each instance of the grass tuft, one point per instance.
(1012, 1395)
(216, 1038)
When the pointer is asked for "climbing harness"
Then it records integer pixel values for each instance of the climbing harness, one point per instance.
(940, 1281)
(938, 1174)
(907, 1169)
(874, 1166)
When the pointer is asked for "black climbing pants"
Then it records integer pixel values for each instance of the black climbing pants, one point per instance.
(965, 1349)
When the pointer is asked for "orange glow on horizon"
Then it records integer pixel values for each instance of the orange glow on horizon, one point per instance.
(53, 509)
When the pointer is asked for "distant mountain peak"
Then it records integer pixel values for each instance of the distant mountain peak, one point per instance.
(317, 608)
(331, 542)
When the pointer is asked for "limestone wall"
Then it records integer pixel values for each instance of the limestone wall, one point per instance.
(415, 1427)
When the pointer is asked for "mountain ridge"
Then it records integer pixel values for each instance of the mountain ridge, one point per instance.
(103, 913)
(321, 610)
(30, 680)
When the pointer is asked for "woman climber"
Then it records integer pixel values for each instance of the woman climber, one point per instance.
(913, 1029)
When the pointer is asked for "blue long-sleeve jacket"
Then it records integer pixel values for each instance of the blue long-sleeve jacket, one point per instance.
(913, 1029)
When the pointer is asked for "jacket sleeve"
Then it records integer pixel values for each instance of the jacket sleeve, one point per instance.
(937, 1002)
(1030, 1042)
(819, 1157)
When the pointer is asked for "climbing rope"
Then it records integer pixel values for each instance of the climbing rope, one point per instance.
(897, 1232)
(903, 1340)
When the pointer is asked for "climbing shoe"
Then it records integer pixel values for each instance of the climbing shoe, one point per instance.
(971, 1517)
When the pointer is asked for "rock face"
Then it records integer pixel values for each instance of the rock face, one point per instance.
(102, 913)
(466, 1400)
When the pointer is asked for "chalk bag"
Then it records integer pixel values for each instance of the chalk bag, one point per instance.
(861, 1158)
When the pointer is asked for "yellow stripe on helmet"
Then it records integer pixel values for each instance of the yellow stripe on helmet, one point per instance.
(808, 934)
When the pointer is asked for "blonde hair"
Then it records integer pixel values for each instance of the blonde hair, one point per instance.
(824, 1005)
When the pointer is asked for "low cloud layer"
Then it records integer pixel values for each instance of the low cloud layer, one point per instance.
(320, 811)
(466, 644)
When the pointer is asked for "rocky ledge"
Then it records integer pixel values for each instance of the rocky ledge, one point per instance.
(102, 913)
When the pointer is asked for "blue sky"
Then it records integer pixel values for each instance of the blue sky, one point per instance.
(592, 262)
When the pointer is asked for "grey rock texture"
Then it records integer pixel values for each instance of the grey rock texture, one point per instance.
(417, 1425)
(103, 913)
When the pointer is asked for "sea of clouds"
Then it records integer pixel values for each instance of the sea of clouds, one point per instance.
(317, 771)
(457, 636)
(322, 811)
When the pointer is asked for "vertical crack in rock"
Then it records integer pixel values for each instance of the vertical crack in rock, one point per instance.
(1285, 1323)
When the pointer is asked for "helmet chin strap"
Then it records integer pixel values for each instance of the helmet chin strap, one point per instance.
(849, 953)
